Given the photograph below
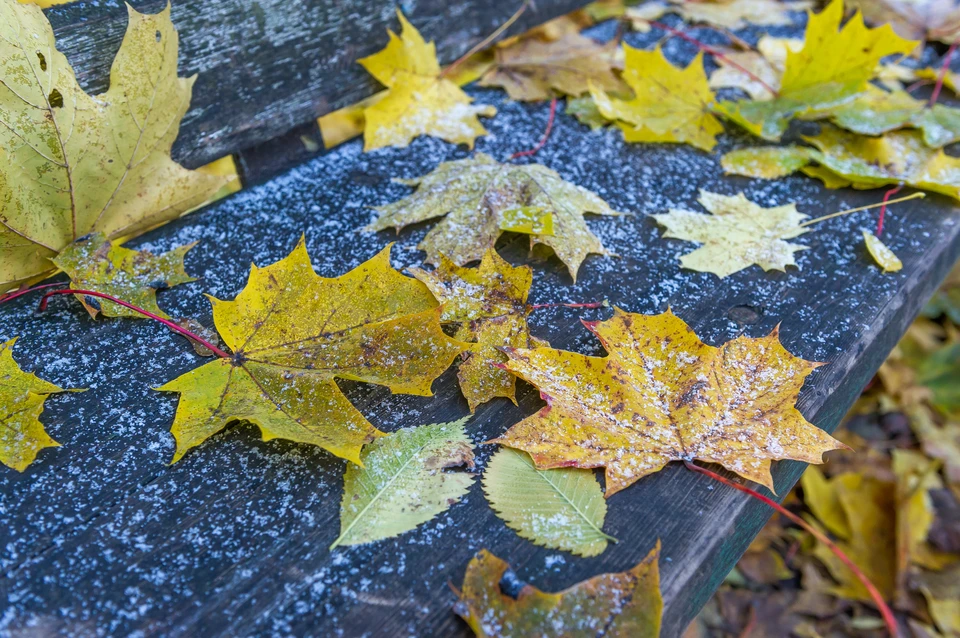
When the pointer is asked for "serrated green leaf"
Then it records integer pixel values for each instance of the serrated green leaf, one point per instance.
(402, 483)
(561, 508)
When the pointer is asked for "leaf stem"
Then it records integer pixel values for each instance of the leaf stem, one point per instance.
(943, 73)
(592, 304)
(883, 207)
(10, 296)
(490, 38)
(715, 53)
(146, 313)
(885, 611)
(884, 203)
(546, 134)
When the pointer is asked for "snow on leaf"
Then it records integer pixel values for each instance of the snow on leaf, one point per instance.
(736, 235)
(834, 66)
(473, 195)
(21, 401)
(419, 101)
(402, 482)
(533, 68)
(562, 508)
(76, 164)
(663, 395)
(618, 605)
(669, 104)
(884, 257)
(94, 263)
(292, 333)
(489, 302)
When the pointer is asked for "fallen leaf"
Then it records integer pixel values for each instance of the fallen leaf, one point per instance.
(951, 80)
(914, 19)
(884, 257)
(662, 395)
(766, 63)
(620, 605)
(473, 195)
(420, 101)
(824, 502)
(586, 112)
(946, 301)
(736, 235)
(490, 303)
(95, 263)
(940, 372)
(562, 508)
(727, 14)
(942, 593)
(533, 69)
(401, 483)
(846, 159)
(669, 104)
(292, 333)
(816, 78)
(21, 401)
(76, 164)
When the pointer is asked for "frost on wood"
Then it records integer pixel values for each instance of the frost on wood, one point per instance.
(21, 401)
(403, 482)
(736, 235)
(292, 332)
(419, 100)
(663, 395)
(620, 605)
(562, 508)
(473, 195)
(76, 164)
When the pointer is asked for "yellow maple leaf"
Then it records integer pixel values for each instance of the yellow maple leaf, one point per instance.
(490, 303)
(736, 235)
(534, 68)
(93, 263)
(669, 104)
(21, 401)
(419, 101)
(71, 164)
(816, 77)
(292, 333)
(663, 395)
(619, 605)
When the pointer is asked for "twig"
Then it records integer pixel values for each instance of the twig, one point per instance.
(146, 313)
(546, 134)
(875, 594)
(10, 296)
(487, 40)
(942, 74)
(883, 207)
(885, 202)
(592, 304)
(715, 53)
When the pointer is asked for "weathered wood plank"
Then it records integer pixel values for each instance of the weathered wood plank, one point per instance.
(267, 66)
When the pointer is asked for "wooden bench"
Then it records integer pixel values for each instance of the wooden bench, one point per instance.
(101, 536)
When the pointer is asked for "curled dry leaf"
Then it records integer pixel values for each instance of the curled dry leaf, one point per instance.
(473, 195)
(292, 333)
(663, 395)
(620, 605)
(534, 68)
(490, 304)
(94, 263)
(402, 483)
(736, 235)
(419, 100)
(914, 19)
(669, 104)
(562, 508)
(76, 164)
(815, 78)
(21, 401)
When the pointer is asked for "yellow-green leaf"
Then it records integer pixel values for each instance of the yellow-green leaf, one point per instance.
(737, 234)
(767, 162)
(529, 220)
(472, 196)
(76, 164)
(880, 253)
(292, 333)
(562, 508)
(419, 100)
(21, 401)
(619, 605)
(669, 104)
(95, 263)
(402, 483)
